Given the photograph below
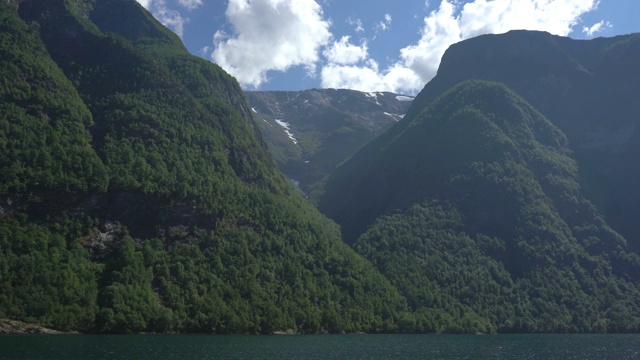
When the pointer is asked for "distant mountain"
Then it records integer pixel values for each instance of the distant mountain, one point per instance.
(472, 206)
(137, 194)
(588, 88)
(310, 132)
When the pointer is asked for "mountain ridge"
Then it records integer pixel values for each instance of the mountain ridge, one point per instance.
(310, 132)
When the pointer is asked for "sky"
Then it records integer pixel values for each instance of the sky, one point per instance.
(367, 45)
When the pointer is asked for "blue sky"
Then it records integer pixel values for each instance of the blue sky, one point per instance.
(369, 45)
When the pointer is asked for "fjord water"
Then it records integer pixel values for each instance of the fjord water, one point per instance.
(449, 347)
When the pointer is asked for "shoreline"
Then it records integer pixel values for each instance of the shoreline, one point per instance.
(8, 326)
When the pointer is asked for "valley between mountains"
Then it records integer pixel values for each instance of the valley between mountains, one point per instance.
(142, 190)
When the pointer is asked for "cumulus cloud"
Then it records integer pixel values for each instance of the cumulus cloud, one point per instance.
(345, 53)
(417, 64)
(441, 29)
(596, 28)
(369, 77)
(270, 35)
(451, 23)
(144, 3)
(555, 16)
(168, 17)
(275, 35)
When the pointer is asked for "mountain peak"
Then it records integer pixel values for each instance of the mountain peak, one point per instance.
(587, 88)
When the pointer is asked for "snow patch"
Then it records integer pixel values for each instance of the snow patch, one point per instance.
(396, 117)
(287, 129)
(375, 96)
(404, 98)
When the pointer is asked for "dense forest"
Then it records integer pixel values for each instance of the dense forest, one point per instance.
(475, 208)
(138, 193)
(587, 88)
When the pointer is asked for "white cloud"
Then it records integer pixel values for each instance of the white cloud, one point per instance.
(441, 29)
(345, 53)
(369, 77)
(384, 25)
(356, 23)
(275, 35)
(168, 17)
(205, 51)
(144, 3)
(190, 4)
(270, 35)
(451, 23)
(596, 28)
(417, 62)
(497, 16)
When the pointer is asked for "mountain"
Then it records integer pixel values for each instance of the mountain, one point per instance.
(473, 207)
(587, 88)
(137, 193)
(310, 132)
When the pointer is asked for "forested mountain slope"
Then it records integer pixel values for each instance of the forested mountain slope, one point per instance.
(137, 195)
(587, 88)
(473, 207)
(310, 132)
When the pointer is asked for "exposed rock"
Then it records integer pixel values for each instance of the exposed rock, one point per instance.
(8, 326)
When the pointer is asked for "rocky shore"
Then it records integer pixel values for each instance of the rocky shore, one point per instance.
(8, 326)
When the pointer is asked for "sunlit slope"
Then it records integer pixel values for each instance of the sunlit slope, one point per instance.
(137, 195)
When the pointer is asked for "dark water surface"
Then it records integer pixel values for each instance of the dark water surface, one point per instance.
(156, 347)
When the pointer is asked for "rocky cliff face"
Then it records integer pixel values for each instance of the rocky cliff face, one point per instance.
(310, 132)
